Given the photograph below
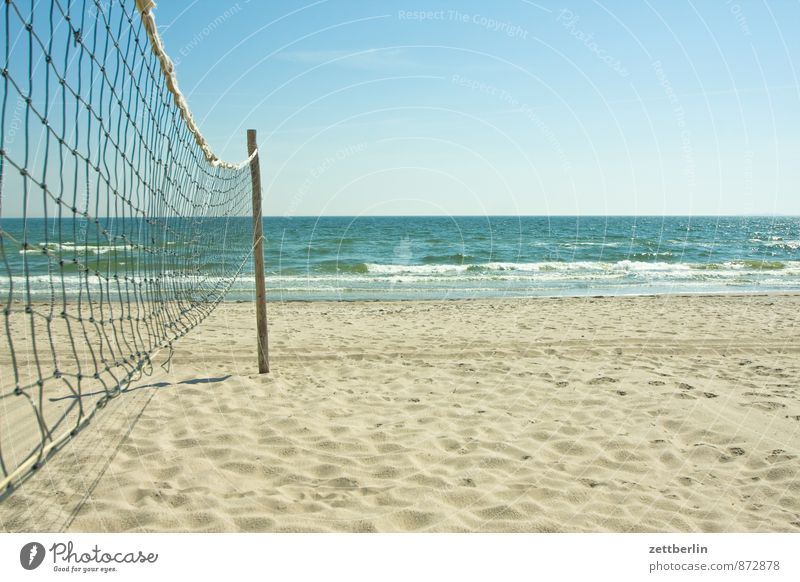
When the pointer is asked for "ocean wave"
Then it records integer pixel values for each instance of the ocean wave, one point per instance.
(749, 264)
(456, 258)
(384, 269)
(78, 249)
(578, 267)
(341, 267)
(535, 267)
(586, 243)
(533, 277)
(789, 245)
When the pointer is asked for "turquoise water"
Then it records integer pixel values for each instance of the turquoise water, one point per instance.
(349, 258)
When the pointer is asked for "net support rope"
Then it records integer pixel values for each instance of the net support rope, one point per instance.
(120, 229)
(168, 70)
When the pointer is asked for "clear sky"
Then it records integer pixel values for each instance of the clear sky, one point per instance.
(508, 107)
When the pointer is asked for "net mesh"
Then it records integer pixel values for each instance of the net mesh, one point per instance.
(113, 219)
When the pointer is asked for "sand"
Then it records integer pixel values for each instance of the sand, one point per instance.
(668, 413)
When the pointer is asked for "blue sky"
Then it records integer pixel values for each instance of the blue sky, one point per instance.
(513, 107)
(502, 108)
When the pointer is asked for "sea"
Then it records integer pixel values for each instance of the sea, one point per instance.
(423, 257)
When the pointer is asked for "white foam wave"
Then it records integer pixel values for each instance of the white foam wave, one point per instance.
(79, 249)
(596, 266)
(791, 245)
(497, 276)
(380, 269)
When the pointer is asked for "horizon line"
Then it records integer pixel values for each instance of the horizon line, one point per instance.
(444, 216)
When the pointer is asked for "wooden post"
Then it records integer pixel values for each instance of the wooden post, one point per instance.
(258, 256)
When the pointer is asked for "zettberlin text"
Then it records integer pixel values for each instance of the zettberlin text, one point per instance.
(673, 549)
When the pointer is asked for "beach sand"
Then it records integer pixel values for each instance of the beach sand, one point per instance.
(667, 413)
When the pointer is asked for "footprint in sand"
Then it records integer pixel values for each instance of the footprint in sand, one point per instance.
(602, 380)
(766, 405)
(779, 455)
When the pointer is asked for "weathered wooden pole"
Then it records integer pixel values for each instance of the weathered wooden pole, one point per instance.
(258, 255)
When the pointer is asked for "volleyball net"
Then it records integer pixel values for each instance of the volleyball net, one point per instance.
(115, 216)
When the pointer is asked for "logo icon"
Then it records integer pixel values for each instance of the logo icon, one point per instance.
(31, 555)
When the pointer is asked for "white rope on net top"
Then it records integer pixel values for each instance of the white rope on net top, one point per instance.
(145, 8)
